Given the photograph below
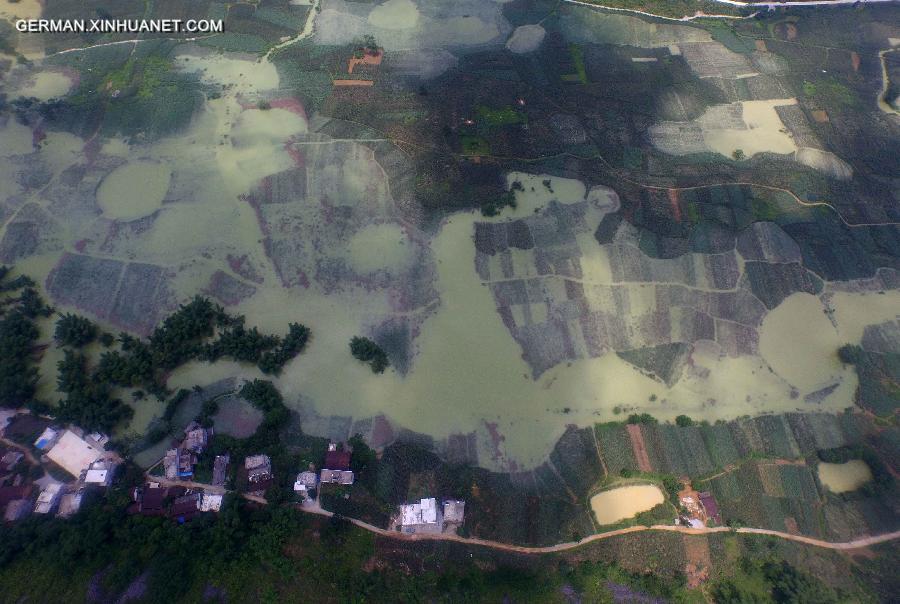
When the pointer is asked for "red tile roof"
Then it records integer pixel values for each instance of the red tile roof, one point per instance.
(337, 460)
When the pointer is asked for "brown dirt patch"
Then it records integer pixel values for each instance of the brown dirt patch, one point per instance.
(676, 207)
(821, 116)
(790, 523)
(696, 553)
(761, 46)
(639, 448)
(791, 31)
(854, 60)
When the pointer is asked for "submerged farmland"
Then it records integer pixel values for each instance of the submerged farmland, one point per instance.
(604, 217)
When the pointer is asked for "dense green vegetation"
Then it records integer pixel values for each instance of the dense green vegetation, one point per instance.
(187, 335)
(641, 418)
(772, 581)
(248, 553)
(493, 208)
(124, 94)
(367, 351)
(88, 403)
(19, 306)
(879, 378)
(74, 330)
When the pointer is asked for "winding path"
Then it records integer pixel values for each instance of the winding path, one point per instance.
(562, 547)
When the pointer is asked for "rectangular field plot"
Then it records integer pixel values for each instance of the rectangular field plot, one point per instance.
(615, 446)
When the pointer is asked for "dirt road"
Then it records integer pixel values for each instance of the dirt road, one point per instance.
(559, 547)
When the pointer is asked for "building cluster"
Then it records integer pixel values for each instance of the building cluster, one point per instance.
(81, 455)
(427, 516)
(175, 502)
(179, 462)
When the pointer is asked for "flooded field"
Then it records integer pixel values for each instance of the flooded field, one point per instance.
(622, 503)
(736, 130)
(844, 477)
(763, 131)
(504, 329)
(46, 85)
(134, 190)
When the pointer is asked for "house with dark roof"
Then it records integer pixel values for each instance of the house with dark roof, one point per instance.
(259, 474)
(14, 495)
(152, 499)
(710, 506)
(220, 467)
(184, 508)
(337, 467)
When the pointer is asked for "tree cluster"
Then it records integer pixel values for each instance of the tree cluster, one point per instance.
(74, 330)
(641, 418)
(88, 402)
(367, 351)
(18, 337)
(185, 336)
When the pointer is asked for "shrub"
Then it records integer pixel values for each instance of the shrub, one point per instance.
(368, 351)
(74, 330)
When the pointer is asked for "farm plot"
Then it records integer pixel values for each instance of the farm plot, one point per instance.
(776, 439)
(575, 458)
(720, 444)
(615, 446)
(685, 450)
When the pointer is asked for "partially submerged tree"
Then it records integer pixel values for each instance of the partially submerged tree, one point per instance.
(369, 352)
(74, 330)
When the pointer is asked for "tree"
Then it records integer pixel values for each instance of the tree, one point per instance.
(683, 421)
(738, 155)
(850, 354)
(74, 330)
(367, 351)
(363, 456)
(643, 418)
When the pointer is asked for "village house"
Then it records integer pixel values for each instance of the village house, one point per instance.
(73, 453)
(150, 500)
(49, 497)
(10, 459)
(70, 503)
(337, 467)
(17, 509)
(16, 502)
(100, 473)
(196, 438)
(710, 506)
(259, 468)
(220, 469)
(422, 517)
(180, 461)
(305, 484)
(184, 508)
(210, 502)
(259, 474)
(454, 514)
